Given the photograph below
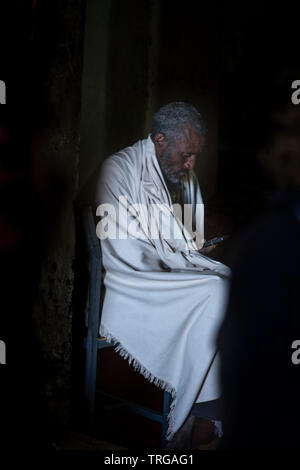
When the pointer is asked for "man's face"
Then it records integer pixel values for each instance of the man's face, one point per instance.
(177, 158)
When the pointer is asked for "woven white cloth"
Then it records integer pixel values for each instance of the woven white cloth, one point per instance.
(164, 321)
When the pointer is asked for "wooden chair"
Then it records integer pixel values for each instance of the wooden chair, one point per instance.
(93, 342)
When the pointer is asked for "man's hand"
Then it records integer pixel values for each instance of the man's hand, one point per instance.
(207, 249)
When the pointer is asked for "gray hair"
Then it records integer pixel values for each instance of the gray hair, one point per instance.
(171, 119)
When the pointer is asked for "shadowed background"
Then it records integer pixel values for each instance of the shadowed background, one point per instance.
(83, 80)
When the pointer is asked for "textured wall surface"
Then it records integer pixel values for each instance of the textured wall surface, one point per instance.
(59, 47)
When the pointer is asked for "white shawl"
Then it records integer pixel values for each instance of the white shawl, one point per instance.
(164, 301)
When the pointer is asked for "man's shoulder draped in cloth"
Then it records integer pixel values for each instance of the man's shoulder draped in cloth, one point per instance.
(164, 300)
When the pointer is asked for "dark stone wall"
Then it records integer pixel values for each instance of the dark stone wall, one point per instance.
(118, 88)
(58, 50)
(128, 71)
(94, 83)
(187, 71)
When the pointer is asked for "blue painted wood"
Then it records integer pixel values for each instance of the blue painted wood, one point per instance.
(101, 344)
(166, 410)
(135, 408)
(94, 253)
(92, 343)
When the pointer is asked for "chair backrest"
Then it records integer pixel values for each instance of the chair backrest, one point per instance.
(93, 248)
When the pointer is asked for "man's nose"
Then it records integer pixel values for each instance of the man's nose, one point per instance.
(189, 162)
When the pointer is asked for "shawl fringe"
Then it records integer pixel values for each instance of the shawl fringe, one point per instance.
(119, 348)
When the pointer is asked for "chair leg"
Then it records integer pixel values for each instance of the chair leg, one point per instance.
(90, 383)
(166, 410)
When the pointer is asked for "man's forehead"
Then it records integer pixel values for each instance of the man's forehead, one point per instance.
(190, 141)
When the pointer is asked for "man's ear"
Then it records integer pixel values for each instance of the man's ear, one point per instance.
(160, 143)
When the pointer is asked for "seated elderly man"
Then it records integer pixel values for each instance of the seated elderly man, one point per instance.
(164, 298)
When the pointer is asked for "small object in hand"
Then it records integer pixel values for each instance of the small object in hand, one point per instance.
(214, 241)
